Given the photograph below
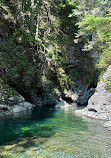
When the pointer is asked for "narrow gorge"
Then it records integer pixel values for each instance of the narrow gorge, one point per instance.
(55, 78)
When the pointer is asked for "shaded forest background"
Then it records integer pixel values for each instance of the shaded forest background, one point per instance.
(54, 46)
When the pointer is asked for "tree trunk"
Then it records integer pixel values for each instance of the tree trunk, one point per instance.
(32, 17)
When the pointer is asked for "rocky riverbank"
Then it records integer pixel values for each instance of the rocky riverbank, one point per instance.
(15, 104)
(99, 105)
(11, 102)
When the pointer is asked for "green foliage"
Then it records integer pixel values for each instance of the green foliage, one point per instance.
(14, 61)
(105, 58)
(95, 30)
(107, 79)
(65, 81)
(109, 85)
(102, 29)
(5, 90)
(40, 34)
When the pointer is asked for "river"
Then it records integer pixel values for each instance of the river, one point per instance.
(53, 133)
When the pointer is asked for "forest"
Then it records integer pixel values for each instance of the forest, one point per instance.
(54, 53)
(37, 36)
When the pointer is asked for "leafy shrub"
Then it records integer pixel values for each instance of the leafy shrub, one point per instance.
(64, 80)
(108, 79)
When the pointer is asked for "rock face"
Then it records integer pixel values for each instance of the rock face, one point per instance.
(83, 99)
(99, 105)
(45, 99)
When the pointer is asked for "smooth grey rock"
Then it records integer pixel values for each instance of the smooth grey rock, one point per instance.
(101, 100)
(26, 105)
(109, 117)
(91, 114)
(4, 107)
(18, 108)
(14, 104)
(18, 98)
(23, 106)
(11, 98)
(107, 124)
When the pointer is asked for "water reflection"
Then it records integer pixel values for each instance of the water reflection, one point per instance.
(42, 113)
(57, 133)
(22, 124)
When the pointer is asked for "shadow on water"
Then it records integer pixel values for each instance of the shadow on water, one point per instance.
(42, 113)
(53, 133)
(39, 131)
(26, 124)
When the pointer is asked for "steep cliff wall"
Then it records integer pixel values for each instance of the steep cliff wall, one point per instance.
(99, 105)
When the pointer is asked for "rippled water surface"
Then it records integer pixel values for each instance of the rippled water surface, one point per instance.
(53, 133)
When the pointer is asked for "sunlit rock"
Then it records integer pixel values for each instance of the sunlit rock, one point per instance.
(99, 105)
(63, 104)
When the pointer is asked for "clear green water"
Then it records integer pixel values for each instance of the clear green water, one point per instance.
(53, 133)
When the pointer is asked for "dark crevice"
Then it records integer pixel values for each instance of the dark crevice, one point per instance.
(92, 85)
(66, 98)
(92, 109)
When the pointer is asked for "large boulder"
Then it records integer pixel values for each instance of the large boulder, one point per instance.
(99, 105)
(17, 109)
(17, 98)
(23, 106)
(101, 100)
(26, 105)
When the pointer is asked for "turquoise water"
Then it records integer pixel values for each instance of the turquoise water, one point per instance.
(53, 133)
